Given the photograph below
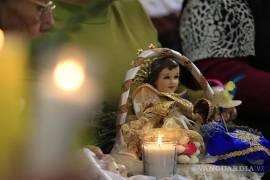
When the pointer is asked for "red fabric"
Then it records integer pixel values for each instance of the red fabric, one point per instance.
(190, 149)
(253, 90)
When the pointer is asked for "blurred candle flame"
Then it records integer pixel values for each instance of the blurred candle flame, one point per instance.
(69, 75)
(2, 39)
(159, 140)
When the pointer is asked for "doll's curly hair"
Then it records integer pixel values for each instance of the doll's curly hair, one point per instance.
(157, 66)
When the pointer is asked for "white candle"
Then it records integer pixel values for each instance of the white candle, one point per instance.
(66, 94)
(159, 158)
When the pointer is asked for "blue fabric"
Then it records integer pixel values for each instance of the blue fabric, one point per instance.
(220, 142)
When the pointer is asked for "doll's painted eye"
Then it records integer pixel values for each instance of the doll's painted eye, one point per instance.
(176, 77)
(40, 8)
(166, 77)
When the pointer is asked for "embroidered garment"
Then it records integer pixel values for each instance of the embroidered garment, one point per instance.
(238, 145)
(155, 109)
(217, 28)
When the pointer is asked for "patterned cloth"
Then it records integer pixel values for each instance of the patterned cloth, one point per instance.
(238, 145)
(217, 28)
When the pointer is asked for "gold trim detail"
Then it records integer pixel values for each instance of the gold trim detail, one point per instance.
(246, 137)
(162, 108)
(151, 46)
(244, 152)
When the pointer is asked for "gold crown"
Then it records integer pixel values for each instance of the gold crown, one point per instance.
(143, 73)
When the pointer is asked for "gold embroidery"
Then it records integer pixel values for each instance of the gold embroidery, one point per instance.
(144, 71)
(247, 151)
(151, 46)
(184, 105)
(246, 137)
(171, 95)
(139, 51)
(160, 108)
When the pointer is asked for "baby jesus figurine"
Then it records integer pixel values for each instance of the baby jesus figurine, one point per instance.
(157, 105)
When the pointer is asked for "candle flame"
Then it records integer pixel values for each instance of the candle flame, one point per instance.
(2, 39)
(159, 140)
(69, 75)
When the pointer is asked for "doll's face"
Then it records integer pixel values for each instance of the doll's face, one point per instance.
(168, 80)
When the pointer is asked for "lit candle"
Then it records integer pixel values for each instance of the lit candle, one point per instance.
(159, 158)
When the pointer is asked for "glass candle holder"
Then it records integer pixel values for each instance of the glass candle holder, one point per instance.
(159, 153)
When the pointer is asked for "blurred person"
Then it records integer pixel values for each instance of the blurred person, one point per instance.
(113, 30)
(165, 16)
(31, 17)
(162, 7)
(219, 37)
(23, 17)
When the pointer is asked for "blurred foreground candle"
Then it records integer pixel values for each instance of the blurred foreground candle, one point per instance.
(13, 71)
(159, 154)
(2, 39)
(69, 75)
(67, 92)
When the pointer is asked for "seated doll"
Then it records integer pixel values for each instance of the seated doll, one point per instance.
(157, 105)
(231, 144)
(154, 102)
